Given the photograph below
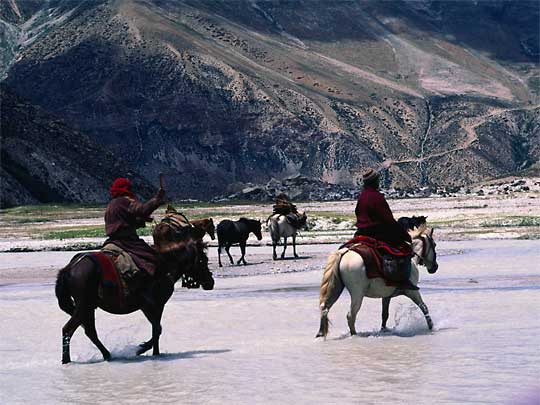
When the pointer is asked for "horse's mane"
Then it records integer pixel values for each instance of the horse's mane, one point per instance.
(418, 231)
(247, 220)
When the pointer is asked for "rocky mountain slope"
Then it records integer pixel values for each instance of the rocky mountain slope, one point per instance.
(222, 93)
(43, 160)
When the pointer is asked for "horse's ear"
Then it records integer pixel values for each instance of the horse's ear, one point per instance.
(170, 210)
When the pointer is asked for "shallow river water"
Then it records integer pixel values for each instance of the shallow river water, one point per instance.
(251, 340)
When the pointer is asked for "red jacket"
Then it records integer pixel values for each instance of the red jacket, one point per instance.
(372, 209)
(122, 218)
(126, 214)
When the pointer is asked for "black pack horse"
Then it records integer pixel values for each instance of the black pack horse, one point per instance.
(78, 284)
(232, 232)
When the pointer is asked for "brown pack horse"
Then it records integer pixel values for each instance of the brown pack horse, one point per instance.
(77, 288)
(206, 226)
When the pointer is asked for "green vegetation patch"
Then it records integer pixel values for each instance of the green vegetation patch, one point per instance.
(29, 220)
(49, 212)
(512, 221)
(97, 231)
(533, 236)
(74, 233)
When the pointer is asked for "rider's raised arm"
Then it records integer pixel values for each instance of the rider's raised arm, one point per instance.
(144, 210)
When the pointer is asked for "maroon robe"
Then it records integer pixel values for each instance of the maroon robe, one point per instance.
(374, 219)
(124, 215)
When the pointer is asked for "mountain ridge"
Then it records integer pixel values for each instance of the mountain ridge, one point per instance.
(219, 93)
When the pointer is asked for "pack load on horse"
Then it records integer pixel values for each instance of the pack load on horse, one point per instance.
(285, 222)
(283, 206)
(236, 232)
(128, 274)
(379, 238)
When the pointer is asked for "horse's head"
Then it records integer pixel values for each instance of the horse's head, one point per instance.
(255, 227)
(206, 226)
(211, 228)
(424, 248)
(302, 219)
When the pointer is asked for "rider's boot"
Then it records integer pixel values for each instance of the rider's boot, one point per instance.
(404, 283)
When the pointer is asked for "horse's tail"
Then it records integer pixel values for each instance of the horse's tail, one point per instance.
(331, 288)
(65, 302)
(273, 228)
(269, 218)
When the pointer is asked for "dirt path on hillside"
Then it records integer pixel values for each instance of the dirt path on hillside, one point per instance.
(469, 125)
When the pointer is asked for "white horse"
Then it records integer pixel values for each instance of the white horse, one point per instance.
(279, 228)
(346, 268)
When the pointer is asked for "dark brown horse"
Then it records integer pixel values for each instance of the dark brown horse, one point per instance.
(78, 285)
(206, 225)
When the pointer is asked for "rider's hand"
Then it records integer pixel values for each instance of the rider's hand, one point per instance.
(161, 194)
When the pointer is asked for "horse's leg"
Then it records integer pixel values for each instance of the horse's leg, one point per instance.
(274, 243)
(227, 247)
(89, 323)
(219, 254)
(243, 251)
(415, 296)
(153, 314)
(67, 332)
(284, 247)
(385, 307)
(80, 276)
(356, 303)
(294, 245)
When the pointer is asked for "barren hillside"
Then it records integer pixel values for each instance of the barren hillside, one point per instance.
(221, 93)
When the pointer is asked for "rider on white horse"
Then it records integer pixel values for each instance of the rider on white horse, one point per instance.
(375, 219)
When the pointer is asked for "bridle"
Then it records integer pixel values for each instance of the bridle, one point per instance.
(426, 240)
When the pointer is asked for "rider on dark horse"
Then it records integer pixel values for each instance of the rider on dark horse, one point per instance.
(124, 215)
(374, 219)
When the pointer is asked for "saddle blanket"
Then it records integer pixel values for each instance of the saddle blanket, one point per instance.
(372, 252)
(110, 276)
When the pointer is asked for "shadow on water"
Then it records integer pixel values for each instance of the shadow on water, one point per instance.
(392, 332)
(133, 358)
(279, 259)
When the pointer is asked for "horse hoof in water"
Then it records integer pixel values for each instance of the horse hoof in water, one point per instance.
(66, 360)
(144, 347)
(107, 356)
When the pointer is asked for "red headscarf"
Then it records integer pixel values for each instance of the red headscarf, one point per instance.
(121, 187)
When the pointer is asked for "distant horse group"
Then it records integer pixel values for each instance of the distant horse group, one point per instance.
(237, 232)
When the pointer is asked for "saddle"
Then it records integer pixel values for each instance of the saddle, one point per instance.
(295, 220)
(112, 283)
(382, 260)
(119, 273)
